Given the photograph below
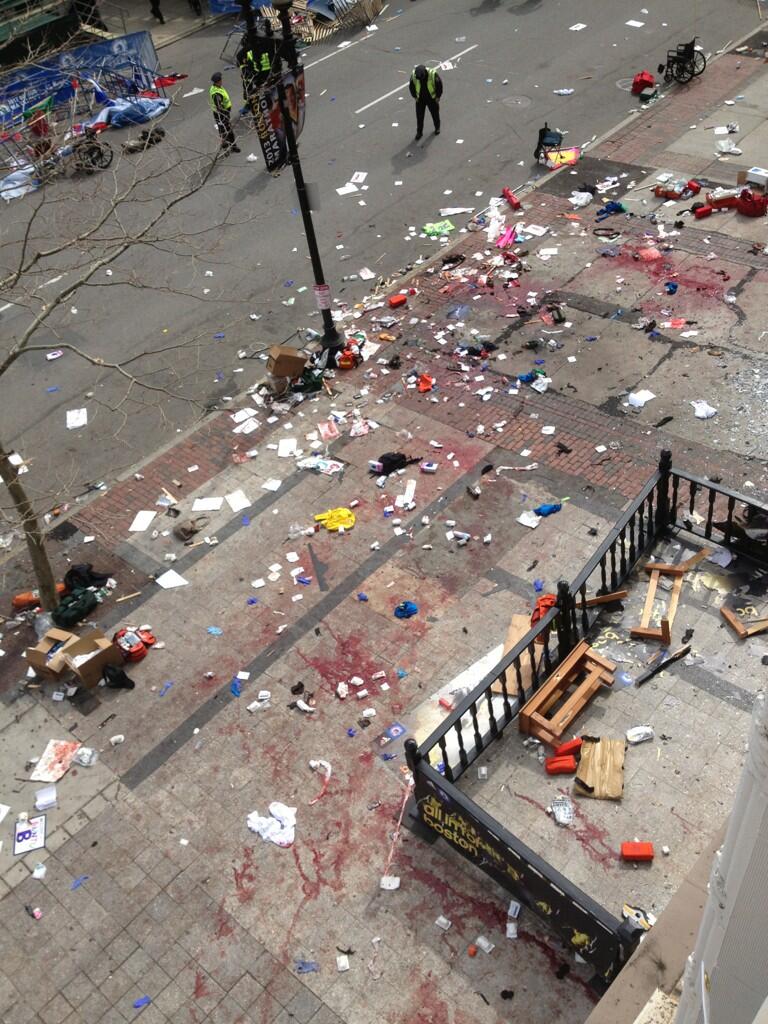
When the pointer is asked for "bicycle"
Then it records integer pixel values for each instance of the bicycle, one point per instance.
(684, 63)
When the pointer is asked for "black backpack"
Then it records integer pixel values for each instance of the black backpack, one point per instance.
(391, 462)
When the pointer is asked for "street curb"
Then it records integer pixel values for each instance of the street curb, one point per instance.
(189, 31)
(524, 190)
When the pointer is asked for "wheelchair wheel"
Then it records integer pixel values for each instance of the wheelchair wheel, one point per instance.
(684, 71)
(699, 63)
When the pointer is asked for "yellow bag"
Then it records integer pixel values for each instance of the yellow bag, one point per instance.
(336, 517)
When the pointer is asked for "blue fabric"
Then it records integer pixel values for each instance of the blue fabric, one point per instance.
(406, 610)
(547, 510)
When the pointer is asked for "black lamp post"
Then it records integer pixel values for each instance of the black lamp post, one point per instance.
(288, 50)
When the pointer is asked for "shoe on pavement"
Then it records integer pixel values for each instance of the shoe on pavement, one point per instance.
(437, 131)
(235, 149)
(419, 136)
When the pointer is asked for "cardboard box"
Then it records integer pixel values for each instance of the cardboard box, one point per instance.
(102, 653)
(46, 664)
(285, 362)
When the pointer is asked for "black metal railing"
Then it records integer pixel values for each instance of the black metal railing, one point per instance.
(670, 499)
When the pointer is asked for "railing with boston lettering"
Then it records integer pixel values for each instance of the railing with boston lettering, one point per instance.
(670, 499)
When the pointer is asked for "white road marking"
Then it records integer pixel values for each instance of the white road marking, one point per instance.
(335, 53)
(6, 306)
(54, 280)
(400, 88)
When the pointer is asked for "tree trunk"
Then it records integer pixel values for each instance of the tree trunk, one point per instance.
(30, 524)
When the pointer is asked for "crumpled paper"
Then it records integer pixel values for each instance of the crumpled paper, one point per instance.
(279, 829)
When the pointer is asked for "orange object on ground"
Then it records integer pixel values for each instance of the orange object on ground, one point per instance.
(511, 198)
(426, 383)
(560, 765)
(637, 851)
(571, 747)
(31, 598)
(395, 301)
(702, 212)
(543, 604)
(472, 950)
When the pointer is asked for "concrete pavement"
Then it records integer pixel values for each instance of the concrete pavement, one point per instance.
(244, 227)
(182, 903)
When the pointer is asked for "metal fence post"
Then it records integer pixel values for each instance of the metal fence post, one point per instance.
(662, 491)
(564, 631)
(412, 755)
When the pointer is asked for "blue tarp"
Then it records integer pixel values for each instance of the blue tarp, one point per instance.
(133, 56)
(231, 6)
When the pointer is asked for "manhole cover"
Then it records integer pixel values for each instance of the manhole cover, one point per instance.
(625, 84)
(517, 101)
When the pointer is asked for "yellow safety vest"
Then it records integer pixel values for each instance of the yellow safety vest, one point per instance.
(264, 62)
(217, 90)
(431, 83)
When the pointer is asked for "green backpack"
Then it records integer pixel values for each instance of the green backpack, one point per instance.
(73, 608)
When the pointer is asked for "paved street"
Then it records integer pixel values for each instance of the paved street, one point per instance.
(158, 903)
(243, 226)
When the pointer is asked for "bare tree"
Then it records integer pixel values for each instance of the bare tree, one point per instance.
(87, 226)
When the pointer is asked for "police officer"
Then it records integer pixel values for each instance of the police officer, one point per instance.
(255, 70)
(221, 105)
(426, 87)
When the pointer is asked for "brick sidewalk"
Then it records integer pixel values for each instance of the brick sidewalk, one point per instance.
(181, 903)
(645, 136)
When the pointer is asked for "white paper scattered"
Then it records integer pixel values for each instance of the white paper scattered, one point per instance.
(577, 27)
(359, 177)
(702, 410)
(634, 24)
(286, 447)
(141, 521)
(548, 430)
(272, 484)
(637, 399)
(347, 190)
(529, 519)
(237, 501)
(171, 579)
(207, 504)
(76, 418)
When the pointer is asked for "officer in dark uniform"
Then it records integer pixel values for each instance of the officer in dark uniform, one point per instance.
(426, 87)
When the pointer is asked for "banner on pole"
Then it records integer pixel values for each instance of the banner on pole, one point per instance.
(269, 119)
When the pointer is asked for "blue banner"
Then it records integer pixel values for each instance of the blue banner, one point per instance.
(132, 56)
(231, 6)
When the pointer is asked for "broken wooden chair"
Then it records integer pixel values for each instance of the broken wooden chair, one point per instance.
(566, 693)
(663, 631)
(742, 631)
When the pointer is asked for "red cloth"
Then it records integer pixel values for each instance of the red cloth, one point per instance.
(642, 80)
(163, 80)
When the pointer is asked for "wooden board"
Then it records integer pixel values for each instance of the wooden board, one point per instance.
(592, 602)
(664, 631)
(743, 632)
(667, 569)
(518, 627)
(601, 769)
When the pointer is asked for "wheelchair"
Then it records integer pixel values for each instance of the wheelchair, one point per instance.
(683, 63)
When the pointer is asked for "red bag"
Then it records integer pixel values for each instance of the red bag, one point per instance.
(130, 644)
(751, 205)
(642, 80)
